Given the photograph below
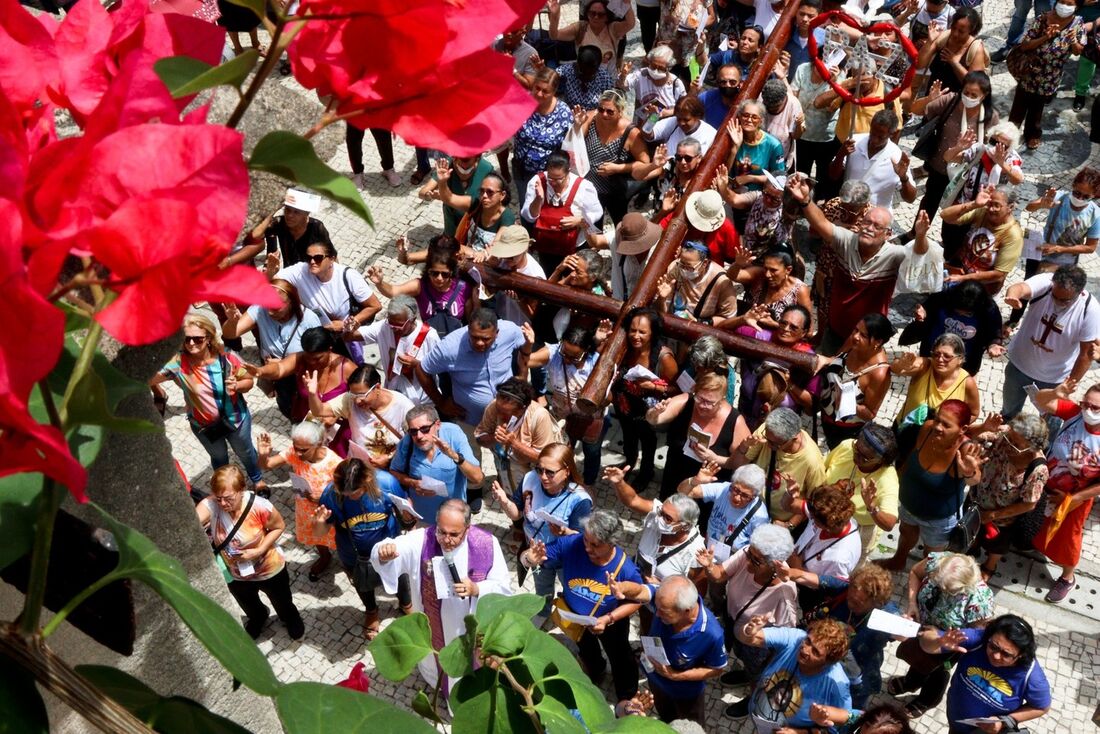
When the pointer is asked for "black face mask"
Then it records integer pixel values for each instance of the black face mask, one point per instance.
(729, 92)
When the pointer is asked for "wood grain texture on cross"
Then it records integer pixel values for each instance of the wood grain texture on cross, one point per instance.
(593, 396)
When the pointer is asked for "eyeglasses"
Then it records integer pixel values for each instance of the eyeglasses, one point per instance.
(422, 430)
(1087, 406)
(194, 339)
(316, 259)
(224, 499)
(444, 534)
(704, 403)
(755, 559)
(997, 649)
(741, 494)
(944, 356)
(750, 118)
(785, 324)
(609, 112)
(357, 395)
(685, 158)
(488, 192)
(399, 327)
(873, 226)
(558, 181)
(441, 274)
(574, 360)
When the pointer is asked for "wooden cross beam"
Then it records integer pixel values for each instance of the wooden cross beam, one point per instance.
(592, 395)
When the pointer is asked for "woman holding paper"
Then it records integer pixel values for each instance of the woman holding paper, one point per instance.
(515, 428)
(551, 501)
(998, 684)
(365, 507)
(374, 415)
(312, 465)
(702, 427)
(646, 376)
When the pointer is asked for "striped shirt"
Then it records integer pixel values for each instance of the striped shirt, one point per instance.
(204, 389)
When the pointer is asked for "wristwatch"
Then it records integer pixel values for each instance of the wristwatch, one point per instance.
(460, 460)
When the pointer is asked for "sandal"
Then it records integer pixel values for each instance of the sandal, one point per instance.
(896, 686)
(319, 567)
(418, 177)
(371, 626)
(915, 709)
(1034, 143)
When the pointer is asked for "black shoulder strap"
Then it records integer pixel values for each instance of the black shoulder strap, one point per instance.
(670, 553)
(744, 523)
(240, 521)
(768, 478)
(451, 300)
(292, 335)
(698, 311)
(353, 302)
(749, 603)
(1035, 464)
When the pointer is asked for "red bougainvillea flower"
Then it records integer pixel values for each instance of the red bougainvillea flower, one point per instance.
(425, 72)
(93, 46)
(30, 344)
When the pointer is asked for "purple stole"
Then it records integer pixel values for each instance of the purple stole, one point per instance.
(480, 553)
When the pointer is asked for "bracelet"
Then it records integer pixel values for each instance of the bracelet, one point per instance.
(803, 204)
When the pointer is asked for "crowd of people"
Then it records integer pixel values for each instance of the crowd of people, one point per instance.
(752, 568)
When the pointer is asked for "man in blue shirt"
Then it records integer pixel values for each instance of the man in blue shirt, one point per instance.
(693, 642)
(718, 102)
(804, 669)
(435, 451)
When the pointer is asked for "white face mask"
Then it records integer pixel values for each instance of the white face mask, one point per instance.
(665, 527)
(658, 76)
(1064, 11)
(1092, 417)
(690, 273)
(1077, 202)
(971, 102)
(464, 170)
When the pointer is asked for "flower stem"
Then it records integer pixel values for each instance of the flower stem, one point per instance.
(529, 702)
(75, 602)
(274, 51)
(83, 362)
(48, 503)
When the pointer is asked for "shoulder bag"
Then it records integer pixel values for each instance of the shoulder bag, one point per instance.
(219, 559)
(931, 132)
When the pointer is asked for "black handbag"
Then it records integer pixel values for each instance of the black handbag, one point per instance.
(1027, 525)
(965, 534)
(363, 576)
(931, 132)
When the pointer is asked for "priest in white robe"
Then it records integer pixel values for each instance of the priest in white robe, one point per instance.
(424, 555)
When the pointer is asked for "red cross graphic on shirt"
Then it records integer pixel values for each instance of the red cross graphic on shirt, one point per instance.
(1050, 323)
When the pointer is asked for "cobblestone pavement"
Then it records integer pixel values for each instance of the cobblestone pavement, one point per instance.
(1069, 648)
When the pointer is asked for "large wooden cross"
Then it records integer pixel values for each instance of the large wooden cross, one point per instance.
(592, 395)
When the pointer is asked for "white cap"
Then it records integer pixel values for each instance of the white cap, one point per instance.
(304, 201)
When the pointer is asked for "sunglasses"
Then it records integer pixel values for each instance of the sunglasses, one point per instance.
(316, 259)
(542, 471)
(785, 324)
(608, 112)
(488, 192)
(685, 158)
(422, 430)
(194, 339)
(441, 274)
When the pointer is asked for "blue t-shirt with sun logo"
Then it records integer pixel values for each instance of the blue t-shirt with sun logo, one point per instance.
(981, 689)
(585, 582)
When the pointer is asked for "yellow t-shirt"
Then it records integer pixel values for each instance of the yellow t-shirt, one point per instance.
(840, 464)
(863, 114)
(923, 389)
(807, 467)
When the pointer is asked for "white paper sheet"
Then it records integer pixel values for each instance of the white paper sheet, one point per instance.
(638, 373)
(300, 486)
(696, 435)
(652, 647)
(245, 568)
(405, 505)
(582, 619)
(545, 516)
(849, 400)
(358, 451)
(1033, 240)
(892, 624)
(434, 486)
(978, 720)
(685, 382)
(443, 588)
(722, 551)
(618, 7)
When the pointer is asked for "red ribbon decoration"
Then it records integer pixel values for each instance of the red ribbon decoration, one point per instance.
(819, 64)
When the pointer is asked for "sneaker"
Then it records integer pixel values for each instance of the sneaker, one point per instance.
(738, 709)
(255, 625)
(998, 57)
(1079, 102)
(735, 678)
(392, 176)
(357, 179)
(1060, 590)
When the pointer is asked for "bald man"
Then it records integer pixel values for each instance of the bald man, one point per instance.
(867, 266)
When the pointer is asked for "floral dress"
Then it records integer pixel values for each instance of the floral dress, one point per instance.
(952, 611)
(319, 476)
(1044, 64)
(1002, 484)
(540, 136)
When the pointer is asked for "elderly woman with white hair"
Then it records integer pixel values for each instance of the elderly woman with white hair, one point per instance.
(655, 89)
(946, 591)
(588, 561)
(755, 585)
(312, 464)
(738, 505)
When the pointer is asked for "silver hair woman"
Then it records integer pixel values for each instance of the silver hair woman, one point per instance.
(783, 424)
(403, 306)
(603, 526)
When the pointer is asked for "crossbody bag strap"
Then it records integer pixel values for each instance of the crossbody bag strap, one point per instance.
(622, 560)
(386, 423)
(697, 312)
(237, 526)
(750, 602)
(292, 335)
(744, 522)
(670, 553)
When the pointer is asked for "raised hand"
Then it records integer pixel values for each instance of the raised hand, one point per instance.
(615, 474)
(537, 552)
(756, 314)
(906, 361)
(753, 441)
(756, 623)
(540, 190)
(313, 381)
(537, 63)
(442, 169)
(819, 713)
(271, 262)
(920, 314)
(232, 312)
(665, 285)
(321, 514)
(603, 329)
(737, 136)
(528, 333)
(868, 491)
(553, 7)
(1065, 389)
(615, 587)
(936, 90)
(251, 369)
(669, 200)
(799, 188)
(660, 156)
(902, 166)
(708, 473)
(704, 557)
(499, 494)
(263, 444)
(952, 641)
(375, 275)
(982, 197)
(970, 456)
(579, 116)
(387, 552)
(921, 225)
(626, 68)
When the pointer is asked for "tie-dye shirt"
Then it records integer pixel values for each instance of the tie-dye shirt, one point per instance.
(204, 389)
(250, 535)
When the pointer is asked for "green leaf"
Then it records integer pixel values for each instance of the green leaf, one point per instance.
(19, 495)
(185, 76)
(491, 605)
(546, 656)
(216, 629)
(558, 674)
(292, 157)
(402, 644)
(482, 705)
(506, 634)
(317, 708)
(259, 7)
(633, 725)
(88, 406)
(557, 718)
(166, 714)
(22, 710)
(422, 705)
(457, 657)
